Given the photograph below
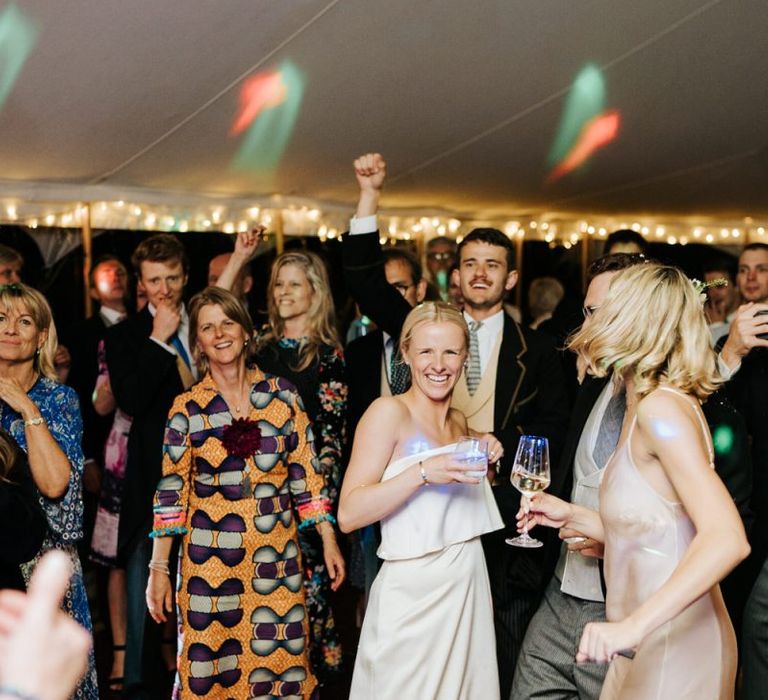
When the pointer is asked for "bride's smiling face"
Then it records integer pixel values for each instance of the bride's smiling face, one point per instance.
(436, 355)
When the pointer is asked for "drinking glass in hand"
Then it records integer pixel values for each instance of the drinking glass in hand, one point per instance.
(530, 474)
(472, 452)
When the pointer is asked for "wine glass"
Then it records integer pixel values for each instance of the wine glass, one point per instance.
(530, 474)
(472, 451)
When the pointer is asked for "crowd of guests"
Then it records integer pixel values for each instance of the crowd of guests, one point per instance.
(221, 456)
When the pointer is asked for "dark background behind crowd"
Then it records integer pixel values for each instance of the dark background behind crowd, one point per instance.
(63, 282)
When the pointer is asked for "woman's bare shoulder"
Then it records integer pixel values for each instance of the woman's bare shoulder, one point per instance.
(387, 408)
(667, 414)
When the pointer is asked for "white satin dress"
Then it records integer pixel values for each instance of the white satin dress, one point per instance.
(428, 629)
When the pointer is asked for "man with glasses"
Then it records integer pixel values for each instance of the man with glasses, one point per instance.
(373, 366)
(374, 369)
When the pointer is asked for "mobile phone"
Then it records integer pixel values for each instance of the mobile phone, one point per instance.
(762, 336)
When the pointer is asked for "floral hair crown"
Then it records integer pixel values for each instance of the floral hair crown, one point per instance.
(702, 287)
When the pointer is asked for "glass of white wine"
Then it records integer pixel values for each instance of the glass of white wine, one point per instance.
(530, 474)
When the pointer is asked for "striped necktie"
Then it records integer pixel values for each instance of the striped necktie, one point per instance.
(473, 367)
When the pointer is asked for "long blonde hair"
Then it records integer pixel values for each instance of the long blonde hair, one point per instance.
(321, 314)
(20, 296)
(652, 326)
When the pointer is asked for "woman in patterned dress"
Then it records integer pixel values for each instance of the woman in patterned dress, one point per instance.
(238, 459)
(43, 417)
(300, 343)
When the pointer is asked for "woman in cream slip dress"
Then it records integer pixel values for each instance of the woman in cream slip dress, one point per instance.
(669, 526)
(693, 655)
(428, 628)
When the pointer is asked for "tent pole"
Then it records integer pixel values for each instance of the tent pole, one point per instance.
(279, 231)
(87, 256)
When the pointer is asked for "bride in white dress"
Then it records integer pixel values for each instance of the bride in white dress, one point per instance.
(428, 629)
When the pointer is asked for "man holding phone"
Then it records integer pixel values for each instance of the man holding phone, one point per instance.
(745, 352)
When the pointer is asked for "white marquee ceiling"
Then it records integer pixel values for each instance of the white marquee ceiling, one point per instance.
(463, 98)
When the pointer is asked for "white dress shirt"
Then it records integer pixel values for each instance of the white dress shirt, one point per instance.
(110, 316)
(365, 224)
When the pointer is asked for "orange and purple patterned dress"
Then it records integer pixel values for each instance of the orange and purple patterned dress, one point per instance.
(243, 625)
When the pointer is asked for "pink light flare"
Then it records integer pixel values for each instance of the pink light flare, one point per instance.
(595, 134)
(261, 92)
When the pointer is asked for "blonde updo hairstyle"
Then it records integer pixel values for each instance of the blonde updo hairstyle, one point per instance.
(432, 312)
(651, 326)
(233, 309)
(24, 299)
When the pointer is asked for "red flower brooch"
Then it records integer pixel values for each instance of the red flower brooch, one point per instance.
(242, 438)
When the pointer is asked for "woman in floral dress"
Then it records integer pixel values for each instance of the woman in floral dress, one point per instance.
(43, 417)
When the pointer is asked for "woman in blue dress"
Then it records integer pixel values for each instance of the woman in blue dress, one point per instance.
(43, 417)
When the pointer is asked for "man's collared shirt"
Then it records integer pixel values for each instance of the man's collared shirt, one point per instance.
(488, 335)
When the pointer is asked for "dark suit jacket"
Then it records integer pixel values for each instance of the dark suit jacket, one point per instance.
(145, 382)
(363, 358)
(530, 398)
(748, 390)
(83, 345)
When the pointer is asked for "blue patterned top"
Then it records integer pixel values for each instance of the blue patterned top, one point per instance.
(59, 406)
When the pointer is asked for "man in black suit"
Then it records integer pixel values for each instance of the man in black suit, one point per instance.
(373, 370)
(574, 597)
(109, 288)
(745, 352)
(516, 388)
(371, 358)
(148, 357)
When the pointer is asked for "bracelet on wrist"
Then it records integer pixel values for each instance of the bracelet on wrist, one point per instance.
(160, 565)
(37, 420)
(423, 472)
(12, 691)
